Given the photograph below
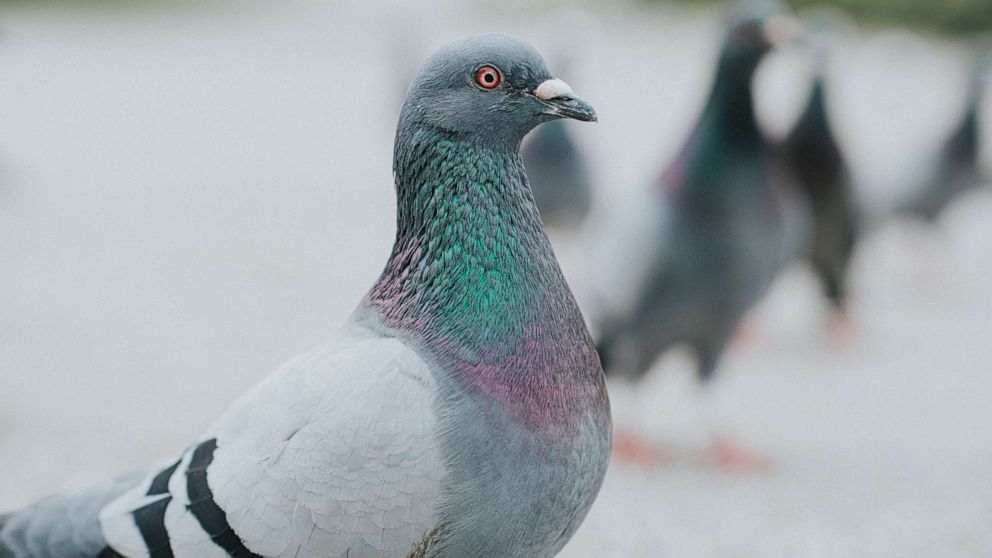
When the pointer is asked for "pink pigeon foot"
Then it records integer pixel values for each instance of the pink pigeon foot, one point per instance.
(749, 335)
(633, 449)
(726, 454)
(842, 332)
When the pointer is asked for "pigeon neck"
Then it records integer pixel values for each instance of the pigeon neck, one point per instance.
(466, 215)
(730, 108)
(726, 136)
(473, 282)
(815, 113)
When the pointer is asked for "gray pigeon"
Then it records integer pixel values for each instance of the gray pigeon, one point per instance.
(819, 167)
(558, 175)
(957, 168)
(556, 164)
(718, 230)
(461, 412)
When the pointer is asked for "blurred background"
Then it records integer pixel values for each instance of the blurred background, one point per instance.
(193, 192)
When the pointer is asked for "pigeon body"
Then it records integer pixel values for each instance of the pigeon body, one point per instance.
(818, 165)
(558, 175)
(717, 231)
(957, 168)
(461, 412)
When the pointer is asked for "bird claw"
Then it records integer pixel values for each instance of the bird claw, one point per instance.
(728, 455)
(842, 332)
(748, 335)
(631, 449)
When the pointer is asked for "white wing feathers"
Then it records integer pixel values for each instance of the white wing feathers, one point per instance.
(334, 455)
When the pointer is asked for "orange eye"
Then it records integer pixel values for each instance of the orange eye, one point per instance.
(487, 77)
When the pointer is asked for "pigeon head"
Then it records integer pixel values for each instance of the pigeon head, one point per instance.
(750, 38)
(491, 87)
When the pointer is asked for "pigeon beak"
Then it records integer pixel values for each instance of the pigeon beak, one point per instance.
(559, 100)
(781, 30)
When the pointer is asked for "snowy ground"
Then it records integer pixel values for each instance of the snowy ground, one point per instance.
(190, 197)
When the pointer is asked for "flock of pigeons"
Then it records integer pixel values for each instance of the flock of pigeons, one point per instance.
(462, 411)
(726, 216)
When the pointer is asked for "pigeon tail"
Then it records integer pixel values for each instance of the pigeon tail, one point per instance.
(621, 355)
(5, 552)
(603, 349)
(62, 526)
(708, 350)
(833, 286)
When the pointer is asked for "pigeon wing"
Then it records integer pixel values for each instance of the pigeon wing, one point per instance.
(334, 455)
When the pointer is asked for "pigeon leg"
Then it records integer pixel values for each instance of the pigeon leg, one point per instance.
(633, 449)
(749, 334)
(727, 454)
(723, 451)
(842, 332)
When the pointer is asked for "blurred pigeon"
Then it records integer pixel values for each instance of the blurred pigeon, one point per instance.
(555, 163)
(558, 175)
(719, 232)
(462, 412)
(957, 169)
(686, 264)
(818, 165)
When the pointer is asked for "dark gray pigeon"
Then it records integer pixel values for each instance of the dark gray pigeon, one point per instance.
(957, 169)
(461, 412)
(558, 175)
(818, 165)
(556, 163)
(724, 223)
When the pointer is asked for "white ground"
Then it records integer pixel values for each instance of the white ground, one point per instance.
(189, 198)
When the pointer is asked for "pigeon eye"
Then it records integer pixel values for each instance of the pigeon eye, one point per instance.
(487, 77)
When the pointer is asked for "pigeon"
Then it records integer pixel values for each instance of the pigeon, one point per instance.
(556, 164)
(684, 265)
(558, 175)
(957, 169)
(714, 232)
(816, 162)
(461, 412)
